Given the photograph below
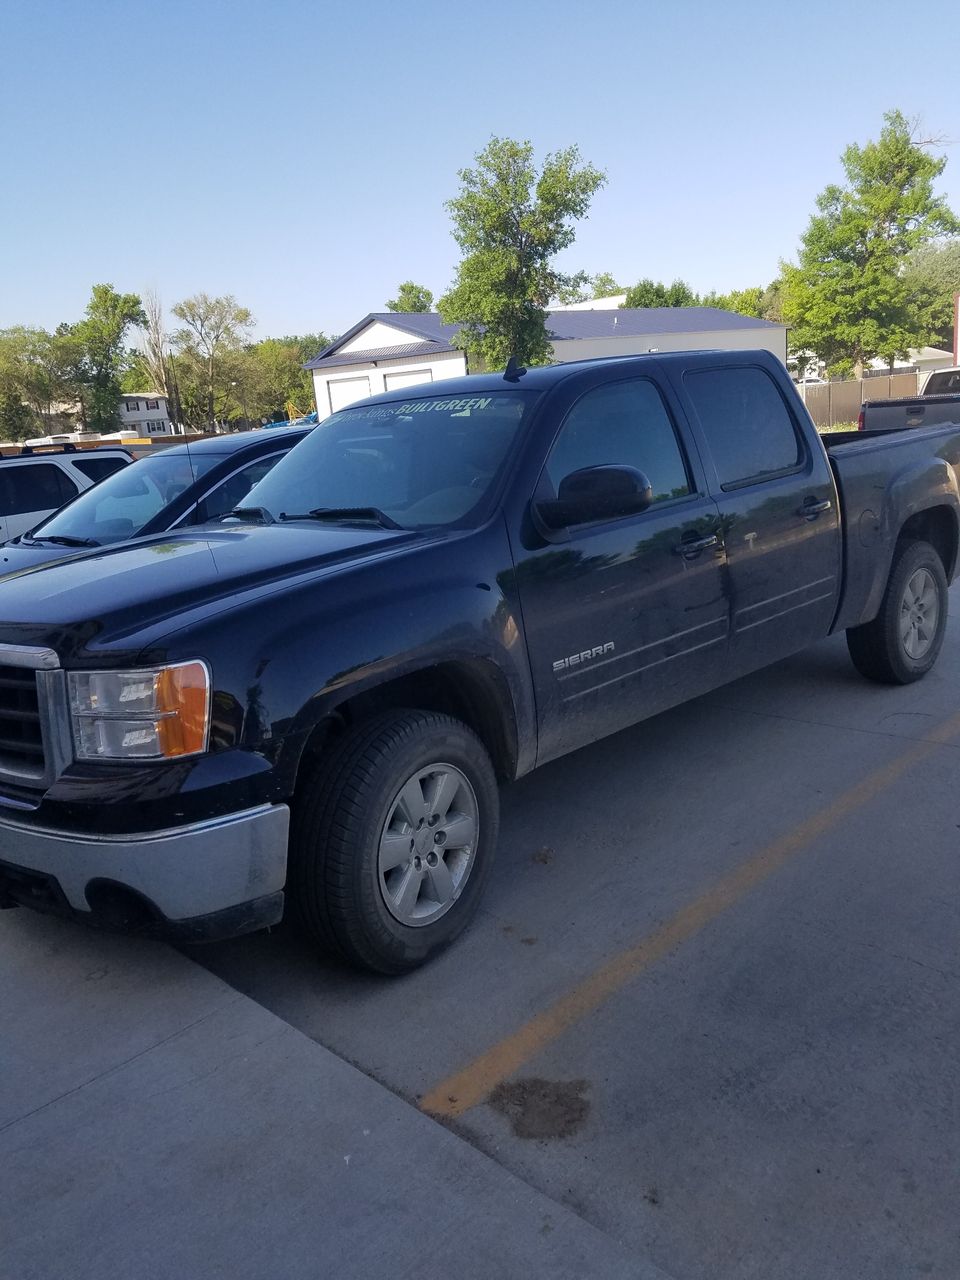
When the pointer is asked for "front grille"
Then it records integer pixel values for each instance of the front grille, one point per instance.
(21, 736)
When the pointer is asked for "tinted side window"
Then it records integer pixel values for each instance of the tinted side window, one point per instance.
(623, 423)
(99, 468)
(747, 425)
(942, 384)
(233, 490)
(37, 486)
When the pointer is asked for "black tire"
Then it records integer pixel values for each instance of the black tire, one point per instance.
(334, 884)
(876, 648)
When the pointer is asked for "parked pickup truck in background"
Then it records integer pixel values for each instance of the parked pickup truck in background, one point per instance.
(311, 707)
(938, 403)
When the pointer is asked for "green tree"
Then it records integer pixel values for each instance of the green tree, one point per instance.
(45, 371)
(932, 279)
(603, 285)
(511, 219)
(745, 302)
(16, 420)
(411, 297)
(214, 328)
(771, 302)
(648, 293)
(101, 340)
(848, 298)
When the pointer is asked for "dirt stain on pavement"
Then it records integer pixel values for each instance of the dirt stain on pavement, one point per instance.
(539, 1109)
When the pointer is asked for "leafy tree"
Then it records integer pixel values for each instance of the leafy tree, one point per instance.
(771, 302)
(100, 343)
(648, 293)
(411, 297)
(932, 279)
(42, 370)
(16, 420)
(848, 298)
(572, 289)
(511, 219)
(603, 285)
(745, 302)
(213, 329)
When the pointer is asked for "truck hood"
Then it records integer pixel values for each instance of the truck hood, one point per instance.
(105, 596)
(16, 555)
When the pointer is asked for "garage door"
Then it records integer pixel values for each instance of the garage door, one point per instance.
(394, 381)
(347, 390)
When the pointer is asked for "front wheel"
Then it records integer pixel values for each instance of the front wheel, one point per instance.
(903, 641)
(392, 840)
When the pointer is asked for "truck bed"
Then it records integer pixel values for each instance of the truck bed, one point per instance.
(882, 477)
(910, 411)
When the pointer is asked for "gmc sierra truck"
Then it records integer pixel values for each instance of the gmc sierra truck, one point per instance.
(310, 704)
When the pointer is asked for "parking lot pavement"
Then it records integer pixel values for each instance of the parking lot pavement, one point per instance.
(710, 1004)
(155, 1124)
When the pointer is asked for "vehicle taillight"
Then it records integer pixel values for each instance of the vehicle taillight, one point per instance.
(860, 420)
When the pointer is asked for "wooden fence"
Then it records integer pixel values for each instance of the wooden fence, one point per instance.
(835, 402)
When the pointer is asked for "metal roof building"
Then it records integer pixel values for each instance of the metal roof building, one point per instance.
(388, 351)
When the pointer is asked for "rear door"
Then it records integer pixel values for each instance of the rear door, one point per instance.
(32, 491)
(778, 508)
(628, 616)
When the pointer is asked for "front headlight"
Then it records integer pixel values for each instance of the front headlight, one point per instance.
(157, 714)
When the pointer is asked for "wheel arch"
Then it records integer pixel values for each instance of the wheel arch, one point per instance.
(473, 690)
(937, 525)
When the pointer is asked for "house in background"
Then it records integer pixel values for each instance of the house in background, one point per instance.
(387, 351)
(921, 359)
(146, 413)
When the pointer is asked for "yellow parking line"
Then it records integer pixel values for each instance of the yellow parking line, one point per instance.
(459, 1092)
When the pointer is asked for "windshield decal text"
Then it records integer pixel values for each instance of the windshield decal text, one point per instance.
(427, 406)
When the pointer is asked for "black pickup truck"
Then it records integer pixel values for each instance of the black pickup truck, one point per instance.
(311, 704)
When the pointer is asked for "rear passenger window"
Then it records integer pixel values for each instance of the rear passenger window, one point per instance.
(35, 486)
(747, 425)
(625, 424)
(99, 468)
(233, 490)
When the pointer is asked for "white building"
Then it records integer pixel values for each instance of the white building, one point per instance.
(610, 303)
(146, 413)
(923, 359)
(386, 351)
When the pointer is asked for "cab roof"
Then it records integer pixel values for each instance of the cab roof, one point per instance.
(236, 440)
(542, 377)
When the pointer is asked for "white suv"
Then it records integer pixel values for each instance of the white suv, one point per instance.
(34, 484)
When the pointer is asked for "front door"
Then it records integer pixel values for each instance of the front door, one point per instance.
(624, 617)
(778, 506)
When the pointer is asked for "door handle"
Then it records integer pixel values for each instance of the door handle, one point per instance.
(811, 508)
(691, 547)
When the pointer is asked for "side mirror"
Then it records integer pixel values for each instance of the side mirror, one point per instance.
(596, 493)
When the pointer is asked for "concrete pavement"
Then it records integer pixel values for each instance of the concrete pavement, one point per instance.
(156, 1124)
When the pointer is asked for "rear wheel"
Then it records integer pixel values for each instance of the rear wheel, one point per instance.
(392, 840)
(903, 641)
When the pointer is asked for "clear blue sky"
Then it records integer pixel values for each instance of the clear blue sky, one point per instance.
(297, 155)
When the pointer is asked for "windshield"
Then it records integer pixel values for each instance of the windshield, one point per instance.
(118, 508)
(423, 462)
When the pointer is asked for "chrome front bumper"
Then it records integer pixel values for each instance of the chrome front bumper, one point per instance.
(184, 872)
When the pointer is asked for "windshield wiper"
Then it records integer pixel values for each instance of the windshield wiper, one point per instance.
(347, 515)
(61, 539)
(249, 513)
